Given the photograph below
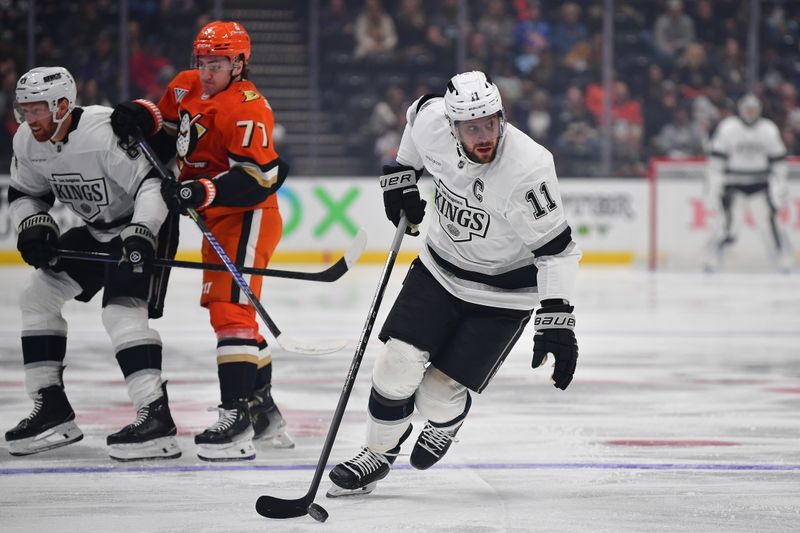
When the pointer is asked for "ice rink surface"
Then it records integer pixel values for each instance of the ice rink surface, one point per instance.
(684, 416)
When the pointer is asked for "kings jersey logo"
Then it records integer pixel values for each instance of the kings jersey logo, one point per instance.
(460, 220)
(87, 197)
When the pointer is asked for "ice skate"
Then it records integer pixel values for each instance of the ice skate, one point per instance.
(231, 436)
(360, 475)
(50, 425)
(268, 423)
(432, 444)
(150, 436)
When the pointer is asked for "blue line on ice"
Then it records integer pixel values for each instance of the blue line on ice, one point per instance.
(478, 466)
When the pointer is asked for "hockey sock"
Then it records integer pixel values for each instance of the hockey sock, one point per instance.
(264, 373)
(43, 357)
(141, 366)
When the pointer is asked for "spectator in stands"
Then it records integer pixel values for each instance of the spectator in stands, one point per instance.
(579, 149)
(387, 122)
(336, 27)
(146, 65)
(539, 121)
(572, 110)
(693, 71)
(89, 94)
(730, 64)
(569, 31)
(374, 32)
(660, 105)
(791, 138)
(444, 32)
(673, 31)
(479, 55)
(681, 137)
(786, 109)
(627, 130)
(706, 108)
(531, 36)
(412, 28)
(102, 66)
(506, 79)
(707, 23)
(496, 24)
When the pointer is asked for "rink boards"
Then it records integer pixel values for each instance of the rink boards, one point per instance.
(629, 221)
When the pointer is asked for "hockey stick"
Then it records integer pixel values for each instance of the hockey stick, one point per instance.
(287, 343)
(332, 273)
(273, 507)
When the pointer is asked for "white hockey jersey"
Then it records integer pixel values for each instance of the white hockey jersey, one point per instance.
(743, 154)
(492, 217)
(89, 172)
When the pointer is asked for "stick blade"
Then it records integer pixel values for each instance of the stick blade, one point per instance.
(310, 348)
(271, 507)
(360, 243)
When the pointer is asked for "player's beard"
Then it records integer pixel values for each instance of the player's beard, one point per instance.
(43, 132)
(483, 158)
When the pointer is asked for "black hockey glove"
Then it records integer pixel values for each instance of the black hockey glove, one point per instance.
(131, 120)
(554, 324)
(36, 242)
(138, 248)
(196, 194)
(401, 195)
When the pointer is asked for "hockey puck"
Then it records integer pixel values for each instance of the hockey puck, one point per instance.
(317, 512)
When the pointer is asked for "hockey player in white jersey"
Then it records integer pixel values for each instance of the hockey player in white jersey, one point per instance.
(70, 153)
(500, 246)
(747, 169)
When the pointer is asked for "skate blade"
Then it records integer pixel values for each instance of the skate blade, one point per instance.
(53, 438)
(338, 492)
(281, 439)
(161, 448)
(241, 449)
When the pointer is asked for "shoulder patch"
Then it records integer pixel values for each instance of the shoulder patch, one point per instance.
(424, 100)
(180, 93)
(250, 95)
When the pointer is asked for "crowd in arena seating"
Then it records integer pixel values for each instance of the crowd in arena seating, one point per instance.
(83, 37)
(679, 66)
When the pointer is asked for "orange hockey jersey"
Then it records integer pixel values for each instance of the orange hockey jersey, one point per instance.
(233, 127)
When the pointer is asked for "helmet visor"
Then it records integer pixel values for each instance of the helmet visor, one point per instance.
(481, 131)
(212, 63)
(31, 111)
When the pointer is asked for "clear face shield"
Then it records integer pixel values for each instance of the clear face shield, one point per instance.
(212, 64)
(480, 137)
(33, 112)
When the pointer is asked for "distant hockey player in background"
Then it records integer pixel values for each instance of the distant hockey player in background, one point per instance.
(70, 153)
(499, 246)
(229, 172)
(747, 169)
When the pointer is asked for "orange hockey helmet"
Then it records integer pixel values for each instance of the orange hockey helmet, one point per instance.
(218, 38)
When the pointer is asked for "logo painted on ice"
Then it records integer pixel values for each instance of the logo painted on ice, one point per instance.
(86, 197)
(460, 220)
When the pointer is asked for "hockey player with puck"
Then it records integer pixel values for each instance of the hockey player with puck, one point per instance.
(70, 153)
(498, 247)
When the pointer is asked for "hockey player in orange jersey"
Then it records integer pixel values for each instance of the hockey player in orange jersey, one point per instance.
(229, 172)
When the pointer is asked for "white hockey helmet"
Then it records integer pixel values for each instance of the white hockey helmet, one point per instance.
(50, 85)
(749, 108)
(472, 95)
